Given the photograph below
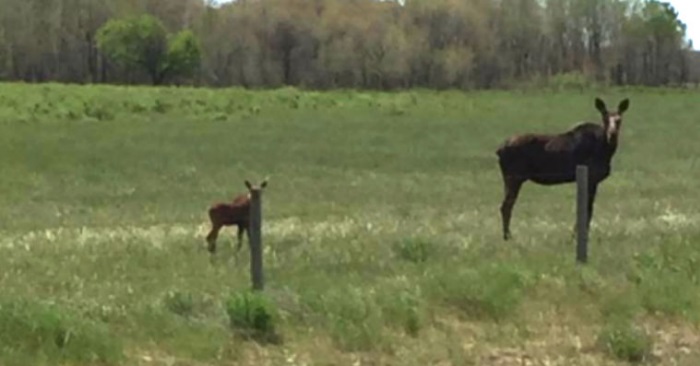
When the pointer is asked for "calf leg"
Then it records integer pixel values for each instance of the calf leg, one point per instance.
(512, 189)
(211, 238)
(241, 230)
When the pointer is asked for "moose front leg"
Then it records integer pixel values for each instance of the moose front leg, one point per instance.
(239, 235)
(592, 191)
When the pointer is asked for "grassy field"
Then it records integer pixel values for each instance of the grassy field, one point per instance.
(382, 233)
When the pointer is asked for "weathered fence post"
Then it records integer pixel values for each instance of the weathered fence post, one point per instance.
(255, 238)
(582, 213)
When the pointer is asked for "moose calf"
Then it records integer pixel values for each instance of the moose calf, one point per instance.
(229, 214)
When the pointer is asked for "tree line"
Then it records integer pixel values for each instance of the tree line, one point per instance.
(463, 44)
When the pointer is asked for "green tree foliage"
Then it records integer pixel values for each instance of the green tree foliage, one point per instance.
(143, 42)
(358, 44)
(135, 42)
(184, 54)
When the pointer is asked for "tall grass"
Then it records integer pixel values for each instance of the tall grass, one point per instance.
(381, 229)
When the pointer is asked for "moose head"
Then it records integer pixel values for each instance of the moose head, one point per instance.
(612, 121)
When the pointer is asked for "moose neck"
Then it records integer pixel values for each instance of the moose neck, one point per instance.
(609, 147)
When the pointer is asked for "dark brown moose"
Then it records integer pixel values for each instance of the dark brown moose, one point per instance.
(552, 159)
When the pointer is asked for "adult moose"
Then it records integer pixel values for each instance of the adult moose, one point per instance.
(552, 159)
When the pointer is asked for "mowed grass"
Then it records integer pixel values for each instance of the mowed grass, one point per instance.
(381, 229)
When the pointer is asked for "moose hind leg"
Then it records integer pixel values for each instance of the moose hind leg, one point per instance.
(211, 238)
(512, 189)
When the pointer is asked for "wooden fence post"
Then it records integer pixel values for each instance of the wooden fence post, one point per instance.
(582, 213)
(255, 238)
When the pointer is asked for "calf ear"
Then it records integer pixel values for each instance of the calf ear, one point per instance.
(600, 106)
(263, 184)
(623, 106)
(247, 184)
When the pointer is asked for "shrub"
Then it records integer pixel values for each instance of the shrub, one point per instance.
(666, 279)
(493, 292)
(98, 111)
(351, 315)
(571, 81)
(48, 332)
(253, 316)
(354, 320)
(622, 340)
(403, 307)
(669, 295)
(620, 306)
(179, 303)
(413, 250)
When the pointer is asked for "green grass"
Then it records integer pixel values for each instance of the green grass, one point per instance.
(381, 229)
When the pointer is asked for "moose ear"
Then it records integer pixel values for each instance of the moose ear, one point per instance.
(247, 184)
(600, 106)
(623, 106)
(263, 184)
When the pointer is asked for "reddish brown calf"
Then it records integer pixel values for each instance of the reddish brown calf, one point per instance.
(229, 214)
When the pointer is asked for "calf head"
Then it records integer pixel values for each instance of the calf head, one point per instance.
(612, 121)
(254, 191)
